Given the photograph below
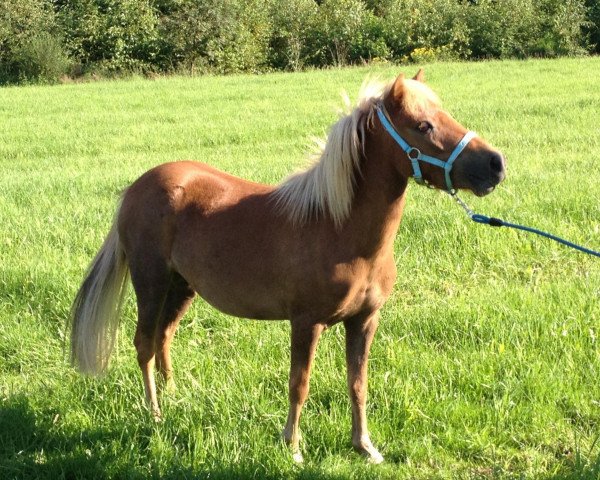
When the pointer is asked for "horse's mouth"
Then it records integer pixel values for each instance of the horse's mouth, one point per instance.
(484, 186)
(482, 191)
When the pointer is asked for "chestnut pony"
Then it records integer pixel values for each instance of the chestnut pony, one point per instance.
(316, 249)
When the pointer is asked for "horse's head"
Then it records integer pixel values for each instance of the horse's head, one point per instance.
(432, 146)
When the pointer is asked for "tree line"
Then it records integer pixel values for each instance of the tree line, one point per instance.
(46, 40)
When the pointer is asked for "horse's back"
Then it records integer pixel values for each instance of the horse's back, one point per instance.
(214, 229)
(198, 180)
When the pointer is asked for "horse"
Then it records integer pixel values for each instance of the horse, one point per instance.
(316, 249)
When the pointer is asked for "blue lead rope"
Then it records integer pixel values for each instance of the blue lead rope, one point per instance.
(496, 222)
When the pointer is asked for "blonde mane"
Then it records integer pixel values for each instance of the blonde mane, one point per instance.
(327, 186)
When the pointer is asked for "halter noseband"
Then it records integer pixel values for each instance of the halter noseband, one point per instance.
(414, 154)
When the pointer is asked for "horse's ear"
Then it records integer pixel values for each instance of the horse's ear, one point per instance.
(420, 76)
(397, 89)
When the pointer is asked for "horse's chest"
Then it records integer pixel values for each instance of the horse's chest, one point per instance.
(362, 289)
(367, 298)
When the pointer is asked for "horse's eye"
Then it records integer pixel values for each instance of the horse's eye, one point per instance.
(425, 127)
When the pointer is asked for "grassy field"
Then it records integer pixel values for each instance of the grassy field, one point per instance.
(487, 360)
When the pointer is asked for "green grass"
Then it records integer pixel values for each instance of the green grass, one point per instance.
(487, 360)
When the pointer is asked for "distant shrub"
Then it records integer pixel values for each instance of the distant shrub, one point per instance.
(428, 54)
(40, 40)
(502, 29)
(435, 29)
(442, 26)
(592, 27)
(332, 35)
(397, 22)
(562, 28)
(111, 35)
(346, 32)
(243, 46)
(370, 40)
(292, 22)
(42, 58)
(30, 45)
(222, 36)
(522, 28)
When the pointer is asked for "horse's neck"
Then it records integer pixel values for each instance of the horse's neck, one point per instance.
(378, 203)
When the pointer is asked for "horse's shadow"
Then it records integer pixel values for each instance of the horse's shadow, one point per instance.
(31, 448)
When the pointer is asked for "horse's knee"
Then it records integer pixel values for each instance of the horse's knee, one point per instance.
(357, 390)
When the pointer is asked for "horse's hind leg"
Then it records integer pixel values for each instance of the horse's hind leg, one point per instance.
(161, 303)
(178, 300)
(144, 345)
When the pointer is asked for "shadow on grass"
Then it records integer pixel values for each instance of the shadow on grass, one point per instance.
(578, 469)
(31, 448)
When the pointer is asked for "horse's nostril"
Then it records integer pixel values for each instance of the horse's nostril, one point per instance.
(497, 162)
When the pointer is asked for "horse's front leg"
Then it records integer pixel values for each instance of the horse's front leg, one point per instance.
(359, 335)
(304, 338)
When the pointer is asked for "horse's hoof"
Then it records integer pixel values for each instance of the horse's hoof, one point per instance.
(374, 457)
(293, 444)
(157, 416)
(367, 449)
(297, 457)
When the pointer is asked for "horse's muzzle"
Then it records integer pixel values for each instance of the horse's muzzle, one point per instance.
(485, 182)
(498, 165)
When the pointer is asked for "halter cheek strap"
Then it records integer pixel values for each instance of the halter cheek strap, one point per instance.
(415, 155)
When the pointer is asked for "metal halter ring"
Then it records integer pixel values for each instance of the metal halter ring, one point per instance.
(414, 150)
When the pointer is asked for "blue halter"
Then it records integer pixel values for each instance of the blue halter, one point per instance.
(414, 154)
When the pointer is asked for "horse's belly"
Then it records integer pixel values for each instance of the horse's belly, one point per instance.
(234, 288)
(244, 304)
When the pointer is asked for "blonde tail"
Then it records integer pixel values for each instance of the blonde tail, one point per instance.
(96, 308)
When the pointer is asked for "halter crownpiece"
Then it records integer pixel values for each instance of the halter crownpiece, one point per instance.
(415, 155)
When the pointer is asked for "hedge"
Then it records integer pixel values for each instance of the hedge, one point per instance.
(45, 40)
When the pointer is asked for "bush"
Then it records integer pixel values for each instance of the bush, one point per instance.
(40, 39)
(502, 29)
(441, 25)
(111, 35)
(396, 26)
(562, 28)
(441, 29)
(30, 46)
(346, 32)
(221, 36)
(592, 27)
(523, 28)
(42, 58)
(243, 42)
(369, 42)
(332, 35)
(425, 30)
(291, 27)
